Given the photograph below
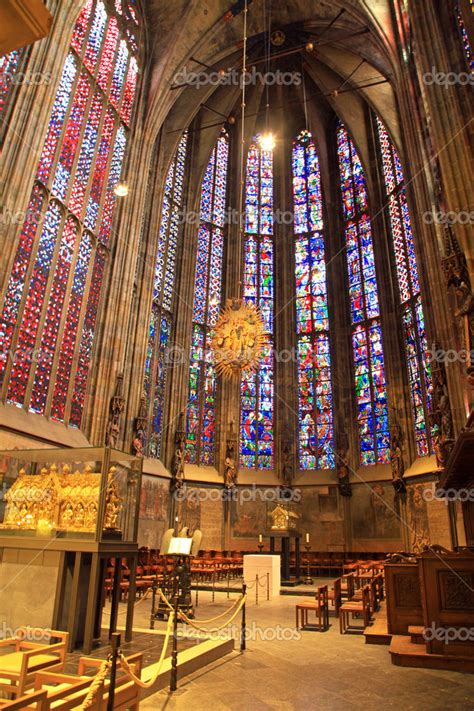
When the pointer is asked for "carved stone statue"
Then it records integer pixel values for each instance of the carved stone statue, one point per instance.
(287, 464)
(398, 465)
(343, 472)
(441, 452)
(465, 314)
(456, 274)
(117, 406)
(230, 471)
(177, 464)
(396, 456)
(441, 416)
(140, 428)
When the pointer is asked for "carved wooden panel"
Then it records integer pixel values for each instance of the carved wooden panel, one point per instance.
(457, 590)
(407, 590)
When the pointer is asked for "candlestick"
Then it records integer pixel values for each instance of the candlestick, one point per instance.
(308, 580)
(307, 538)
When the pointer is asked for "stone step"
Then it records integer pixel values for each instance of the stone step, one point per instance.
(416, 633)
(377, 632)
(405, 653)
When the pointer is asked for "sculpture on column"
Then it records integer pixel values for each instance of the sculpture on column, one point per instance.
(177, 464)
(441, 416)
(287, 462)
(456, 274)
(230, 464)
(396, 458)
(140, 428)
(343, 469)
(117, 406)
(465, 314)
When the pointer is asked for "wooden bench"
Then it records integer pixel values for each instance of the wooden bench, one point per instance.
(447, 595)
(403, 594)
(18, 668)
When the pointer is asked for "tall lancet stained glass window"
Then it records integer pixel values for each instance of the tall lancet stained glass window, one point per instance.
(412, 309)
(50, 308)
(159, 332)
(369, 370)
(10, 79)
(468, 52)
(315, 408)
(201, 407)
(257, 397)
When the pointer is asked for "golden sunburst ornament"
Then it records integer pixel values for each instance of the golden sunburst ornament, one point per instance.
(238, 339)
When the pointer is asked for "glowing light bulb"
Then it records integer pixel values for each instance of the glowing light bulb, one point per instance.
(267, 142)
(121, 190)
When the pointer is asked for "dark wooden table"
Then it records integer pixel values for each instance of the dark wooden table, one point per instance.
(286, 537)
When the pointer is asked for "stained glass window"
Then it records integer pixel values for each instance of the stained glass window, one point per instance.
(369, 370)
(256, 391)
(419, 375)
(10, 64)
(201, 407)
(158, 355)
(53, 295)
(464, 36)
(315, 407)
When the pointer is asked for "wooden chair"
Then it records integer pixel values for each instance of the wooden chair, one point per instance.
(348, 585)
(66, 691)
(36, 701)
(335, 596)
(380, 587)
(127, 692)
(18, 668)
(320, 606)
(354, 607)
(373, 586)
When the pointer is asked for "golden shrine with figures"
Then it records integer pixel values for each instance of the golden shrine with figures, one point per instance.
(56, 500)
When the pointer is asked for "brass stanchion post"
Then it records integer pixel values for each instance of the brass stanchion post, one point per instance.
(174, 653)
(115, 644)
(256, 589)
(154, 587)
(243, 627)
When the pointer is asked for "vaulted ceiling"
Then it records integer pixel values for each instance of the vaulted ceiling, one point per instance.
(344, 47)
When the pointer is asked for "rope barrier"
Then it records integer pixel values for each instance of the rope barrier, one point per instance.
(97, 682)
(215, 629)
(127, 669)
(239, 603)
(124, 612)
(99, 679)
